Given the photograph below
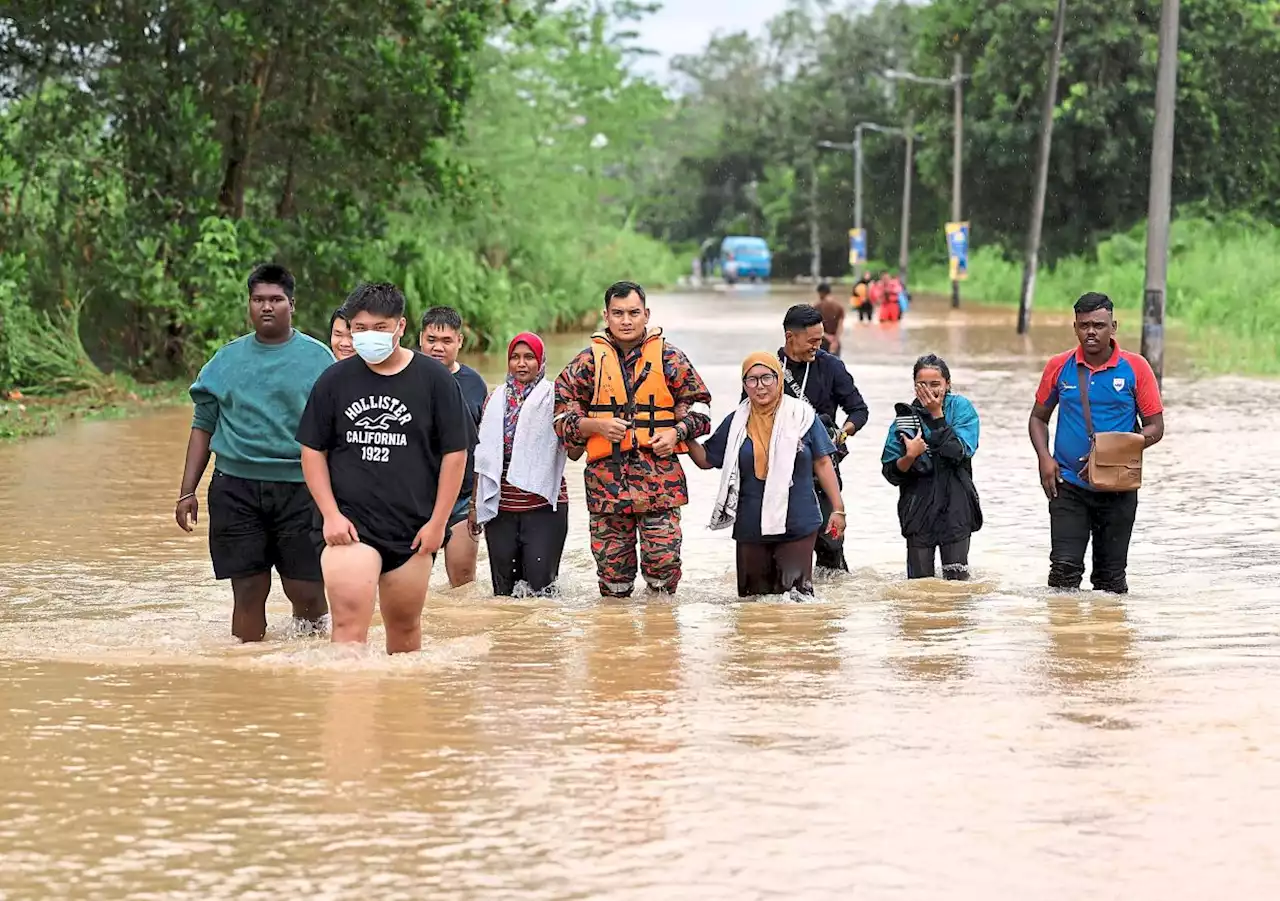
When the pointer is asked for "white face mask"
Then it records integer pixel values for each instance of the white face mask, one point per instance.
(374, 347)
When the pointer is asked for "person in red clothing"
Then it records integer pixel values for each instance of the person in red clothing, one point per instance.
(875, 294)
(1123, 397)
(521, 500)
(891, 308)
(629, 400)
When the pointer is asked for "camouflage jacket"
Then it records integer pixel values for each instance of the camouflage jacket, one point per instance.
(646, 481)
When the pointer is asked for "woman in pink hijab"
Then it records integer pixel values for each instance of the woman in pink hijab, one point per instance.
(521, 499)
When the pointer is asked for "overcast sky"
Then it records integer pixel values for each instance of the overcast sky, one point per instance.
(685, 26)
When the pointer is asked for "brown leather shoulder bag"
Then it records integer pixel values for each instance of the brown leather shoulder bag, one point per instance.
(1115, 458)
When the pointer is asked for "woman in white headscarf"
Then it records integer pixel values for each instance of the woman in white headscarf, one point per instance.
(771, 449)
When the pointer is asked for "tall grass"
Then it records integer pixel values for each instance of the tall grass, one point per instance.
(1224, 286)
(544, 278)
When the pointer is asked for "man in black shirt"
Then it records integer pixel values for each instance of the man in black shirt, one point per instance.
(441, 339)
(810, 373)
(384, 447)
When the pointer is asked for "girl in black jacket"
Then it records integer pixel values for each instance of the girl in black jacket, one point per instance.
(928, 455)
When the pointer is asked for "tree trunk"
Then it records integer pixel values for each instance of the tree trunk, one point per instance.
(243, 129)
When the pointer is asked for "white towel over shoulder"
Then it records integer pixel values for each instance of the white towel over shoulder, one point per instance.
(537, 456)
(791, 423)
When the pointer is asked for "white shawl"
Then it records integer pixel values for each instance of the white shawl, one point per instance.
(791, 423)
(537, 456)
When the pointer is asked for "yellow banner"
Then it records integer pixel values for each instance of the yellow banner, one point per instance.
(958, 250)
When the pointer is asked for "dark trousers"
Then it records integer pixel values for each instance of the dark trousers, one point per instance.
(955, 561)
(782, 567)
(830, 551)
(1077, 515)
(866, 311)
(526, 547)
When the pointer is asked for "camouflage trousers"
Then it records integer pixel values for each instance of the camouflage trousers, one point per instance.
(613, 544)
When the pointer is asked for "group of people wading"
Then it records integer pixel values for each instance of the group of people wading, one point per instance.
(347, 468)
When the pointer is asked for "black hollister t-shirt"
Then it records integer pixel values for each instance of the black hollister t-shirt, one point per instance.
(386, 436)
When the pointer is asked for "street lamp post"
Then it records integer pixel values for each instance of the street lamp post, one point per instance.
(955, 83)
(1035, 231)
(1159, 200)
(856, 147)
(904, 236)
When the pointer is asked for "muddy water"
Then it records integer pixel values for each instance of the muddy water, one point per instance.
(890, 741)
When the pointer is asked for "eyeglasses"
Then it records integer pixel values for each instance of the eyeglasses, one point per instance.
(767, 380)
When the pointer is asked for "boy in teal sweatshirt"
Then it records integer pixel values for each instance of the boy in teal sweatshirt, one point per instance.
(248, 400)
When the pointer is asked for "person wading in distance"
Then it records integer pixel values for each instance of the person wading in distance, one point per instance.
(248, 400)
(1123, 397)
(384, 441)
(629, 399)
(441, 339)
(832, 319)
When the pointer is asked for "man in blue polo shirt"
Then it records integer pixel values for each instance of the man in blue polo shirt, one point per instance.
(1123, 397)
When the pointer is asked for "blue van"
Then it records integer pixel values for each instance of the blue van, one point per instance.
(745, 257)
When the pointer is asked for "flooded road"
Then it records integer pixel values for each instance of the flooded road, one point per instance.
(890, 741)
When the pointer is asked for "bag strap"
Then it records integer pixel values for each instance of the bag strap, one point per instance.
(1083, 380)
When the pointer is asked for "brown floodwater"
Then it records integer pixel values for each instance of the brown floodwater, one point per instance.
(888, 741)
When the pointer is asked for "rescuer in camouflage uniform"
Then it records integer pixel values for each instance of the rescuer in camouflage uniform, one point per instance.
(628, 401)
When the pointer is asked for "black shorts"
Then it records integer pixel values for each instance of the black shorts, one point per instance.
(391, 559)
(255, 526)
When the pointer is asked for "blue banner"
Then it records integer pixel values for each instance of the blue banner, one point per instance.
(958, 250)
(857, 247)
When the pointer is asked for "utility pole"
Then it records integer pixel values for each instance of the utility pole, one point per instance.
(1160, 198)
(1042, 173)
(857, 194)
(815, 236)
(957, 80)
(856, 147)
(904, 239)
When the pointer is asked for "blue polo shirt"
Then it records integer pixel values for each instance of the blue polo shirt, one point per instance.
(1120, 391)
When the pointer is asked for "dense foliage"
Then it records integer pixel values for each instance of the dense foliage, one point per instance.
(504, 157)
(757, 106)
(152, 150)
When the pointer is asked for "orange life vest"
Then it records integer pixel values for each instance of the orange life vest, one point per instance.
(644, 399)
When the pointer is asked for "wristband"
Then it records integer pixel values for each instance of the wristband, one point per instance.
(186, 497)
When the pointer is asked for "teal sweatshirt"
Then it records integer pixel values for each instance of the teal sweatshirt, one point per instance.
(250, 397)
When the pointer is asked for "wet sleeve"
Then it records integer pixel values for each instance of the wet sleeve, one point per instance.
(818, 441)
(963, 417)
(942, 439)
(687, 389)
(455, 429)
(1146, 388)
(717, 445)
(847, 395)
(205, 399)
(574, 387)
(316, 427)
(894, 447)
(1047, 392)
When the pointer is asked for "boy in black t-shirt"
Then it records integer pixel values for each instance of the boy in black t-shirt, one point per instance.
(384, 447)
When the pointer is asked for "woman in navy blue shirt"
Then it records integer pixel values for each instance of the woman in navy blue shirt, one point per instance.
(770, 450)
